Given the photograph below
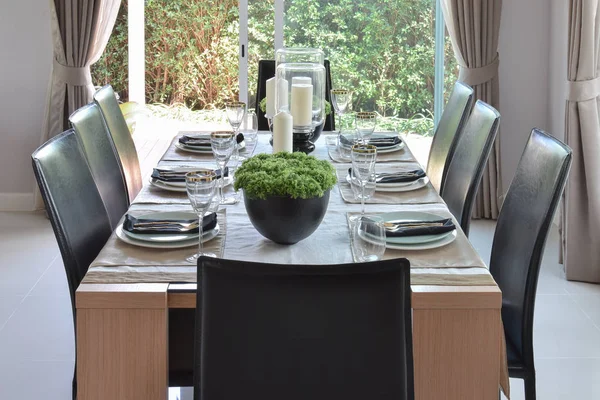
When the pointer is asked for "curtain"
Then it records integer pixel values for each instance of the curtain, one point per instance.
(474, 28)
(80, 32)
(581, 211)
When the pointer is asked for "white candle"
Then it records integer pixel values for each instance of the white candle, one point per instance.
(270, 98)
(282, 95)
(301, 80)
(302, 104)
(282, 132)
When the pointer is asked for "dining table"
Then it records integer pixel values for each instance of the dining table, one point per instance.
(131, 300)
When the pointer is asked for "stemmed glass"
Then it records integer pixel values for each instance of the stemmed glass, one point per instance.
(340, 100)
(363, 168)
(249, 127)
(365, 125)
(200, 186)
(362, 190)
(235, 110)
(223, 145)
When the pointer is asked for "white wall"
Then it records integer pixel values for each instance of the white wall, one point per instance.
(25, 60)
(524, 77)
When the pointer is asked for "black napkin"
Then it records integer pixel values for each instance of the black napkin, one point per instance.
(397, 177)
(420, 228)
(376, 140)
(201, 140)
(133, 225)
(239, 138)
(168, 175)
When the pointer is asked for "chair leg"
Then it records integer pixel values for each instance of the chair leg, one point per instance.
(530, 387)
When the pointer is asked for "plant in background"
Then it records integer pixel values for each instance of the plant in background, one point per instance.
(294, 175)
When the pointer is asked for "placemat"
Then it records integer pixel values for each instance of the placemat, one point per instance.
(395, 156)
(426, 194)
(118, 254)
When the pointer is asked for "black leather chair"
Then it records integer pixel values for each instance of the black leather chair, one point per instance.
(272, 332)
(468, 162)
(74, 206)
(447, 133)
(117, 127)
(266, 70)
(99, 149)
(519, 241)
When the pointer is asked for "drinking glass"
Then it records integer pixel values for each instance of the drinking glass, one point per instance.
(340, 100)
(363, 191)
(200, 187)
(365, 125)
(235, 110)
(223, 144)
(363, 167)
(249, 127)
(368, 239)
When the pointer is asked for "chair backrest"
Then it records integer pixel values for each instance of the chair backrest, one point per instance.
(99, 149)
(521, 232)
(73, 204)
(124, 145)
(294, 332)
(447, 132)
(468, 162)
(266, 70)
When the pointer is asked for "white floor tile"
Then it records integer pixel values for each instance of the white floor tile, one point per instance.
(590, 305)
(40, 329)
(570, 378)
(35, 380)
(8, 305)
(53, 282)
(561, 329)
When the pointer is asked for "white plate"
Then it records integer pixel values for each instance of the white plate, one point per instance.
(180, 186)
(419, 242)
(381, 150)
(398, 187)
(157, 245)
(205, 150)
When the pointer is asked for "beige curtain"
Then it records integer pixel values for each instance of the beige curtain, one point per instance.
(581, 211)
(474, 28)
(80, 31)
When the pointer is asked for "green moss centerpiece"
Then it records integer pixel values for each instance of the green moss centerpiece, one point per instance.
(286, 194)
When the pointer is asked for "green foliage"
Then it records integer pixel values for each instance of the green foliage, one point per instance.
(284, 174)
(381, 49)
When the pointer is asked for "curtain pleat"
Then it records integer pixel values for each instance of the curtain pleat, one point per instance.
(581, 209)
(474, 28)
(80, 31)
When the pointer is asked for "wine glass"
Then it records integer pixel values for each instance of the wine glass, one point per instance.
(223, 145)
(368, 239)
(235, 110)
(363, 191)
(340, 100)
(365, 125)
(363, 167)
(200, 187)
(249, 127)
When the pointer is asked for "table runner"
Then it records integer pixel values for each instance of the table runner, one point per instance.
(426, 194)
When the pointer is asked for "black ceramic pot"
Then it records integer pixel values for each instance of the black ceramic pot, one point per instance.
(285, 220)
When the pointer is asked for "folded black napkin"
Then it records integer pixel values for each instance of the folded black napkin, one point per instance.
(149, 225)
(169, 175)
(397, 177)
(201, 140)
(239, 138)
(375, 140)
(403, 229)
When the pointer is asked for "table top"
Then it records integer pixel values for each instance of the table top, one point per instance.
(456, 267)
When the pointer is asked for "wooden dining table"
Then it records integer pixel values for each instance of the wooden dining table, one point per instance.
(129, 296)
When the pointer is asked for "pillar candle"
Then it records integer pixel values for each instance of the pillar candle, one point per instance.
(282, 95)
(301, 79)
(301, 106)
(282, 132)
(270, 85)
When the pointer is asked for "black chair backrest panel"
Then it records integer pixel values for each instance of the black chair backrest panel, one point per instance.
(73, 204)
(522, 229)
(447, 133)
(468, 162)
(124, 145)
(266, 70)
(99, 149)
(304, 332)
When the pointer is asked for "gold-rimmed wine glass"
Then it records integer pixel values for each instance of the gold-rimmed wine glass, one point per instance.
(340, 100)
(365, 125)
(200, 187)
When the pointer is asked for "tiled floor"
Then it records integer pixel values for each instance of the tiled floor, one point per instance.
(36, 329)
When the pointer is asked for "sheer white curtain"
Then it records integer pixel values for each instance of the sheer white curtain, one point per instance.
(474, 28)
(581, 216)
(80, 31)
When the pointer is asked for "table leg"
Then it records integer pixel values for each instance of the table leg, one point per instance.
(122, 342)
(457, 353)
